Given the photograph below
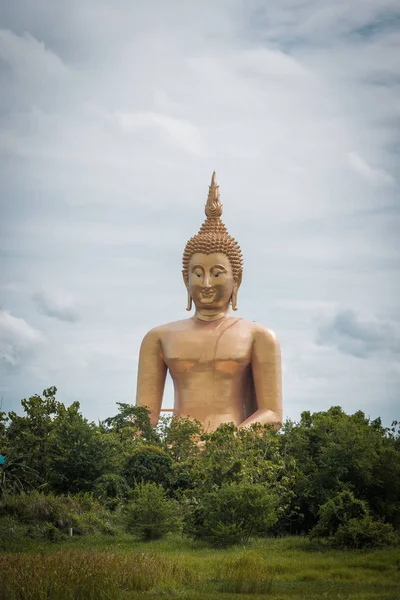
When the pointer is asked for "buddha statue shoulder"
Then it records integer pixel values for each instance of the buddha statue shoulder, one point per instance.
(224, 368)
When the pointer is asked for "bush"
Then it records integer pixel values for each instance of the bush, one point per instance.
(46, 516)
(111, 489)
(45, 531)
(12, 532)
(338, 511)
(148, 464)
(364, 533)
(37, 507)
(233, 513)
(151, 515)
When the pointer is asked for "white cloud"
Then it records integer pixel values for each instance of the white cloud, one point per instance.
(371, 174)
(17, 338)
(28, 57)
(360, 335)
(60, 306)
(180, 131)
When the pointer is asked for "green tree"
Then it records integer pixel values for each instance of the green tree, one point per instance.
(111, 489)
(79, 452)
(151, 515)
(384, 490)
(56, 447)
(249, 455)
(180, 437)
(336, 451)
(230, 456)
(28, 435)
(132, 422)
(147, 464)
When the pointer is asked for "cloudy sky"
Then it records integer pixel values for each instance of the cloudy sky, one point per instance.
(113, 115)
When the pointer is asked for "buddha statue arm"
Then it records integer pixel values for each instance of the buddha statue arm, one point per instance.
(152, 372)
(266, 368)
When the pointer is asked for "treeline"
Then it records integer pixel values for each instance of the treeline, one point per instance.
(331, 475)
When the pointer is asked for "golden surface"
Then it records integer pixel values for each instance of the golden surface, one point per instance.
(224, 369)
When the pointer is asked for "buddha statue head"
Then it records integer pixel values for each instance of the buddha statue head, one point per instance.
(212, 260)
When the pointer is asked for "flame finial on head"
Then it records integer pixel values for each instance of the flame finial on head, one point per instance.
(213, 207)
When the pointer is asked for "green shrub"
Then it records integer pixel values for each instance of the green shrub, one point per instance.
(364, 533)
(91, 524)
(233, 513)
(35, 506)
(45, 531)
(11, 532)
(111, 489)
(151, 515)
(47, 516)
(338, 511)
(148, 464)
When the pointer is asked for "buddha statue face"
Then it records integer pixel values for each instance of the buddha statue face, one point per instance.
(212, 260)
(210, 282)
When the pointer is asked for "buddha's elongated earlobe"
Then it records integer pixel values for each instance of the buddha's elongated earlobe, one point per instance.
(189, 297)
(189, 301)
(234, 298)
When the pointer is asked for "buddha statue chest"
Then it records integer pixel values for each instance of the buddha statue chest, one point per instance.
(224, 349)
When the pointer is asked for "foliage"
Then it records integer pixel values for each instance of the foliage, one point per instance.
(78, 453)
(55, 446)
(12, 532)
(247, 457)
(147, 464)
(338, 511)
(180, 437)
(28, 435)
(132, 421)
(346, 520)
(364, 533)
(252, 455)
(49, 517)
(232, 513)
(336, 451)
(3, 432)
(316, 475)
(150, 514)
(16, 475)
(181, 480)
(111, 489)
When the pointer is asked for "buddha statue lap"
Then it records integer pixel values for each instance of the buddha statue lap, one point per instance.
(224, 369)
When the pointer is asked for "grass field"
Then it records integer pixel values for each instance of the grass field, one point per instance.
(121, 568)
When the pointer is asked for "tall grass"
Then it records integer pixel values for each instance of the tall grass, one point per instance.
(85, 575)
(121, 568)
(243, 574)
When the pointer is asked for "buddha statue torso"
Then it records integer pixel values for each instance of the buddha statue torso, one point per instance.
(214, 357)
(224, 369)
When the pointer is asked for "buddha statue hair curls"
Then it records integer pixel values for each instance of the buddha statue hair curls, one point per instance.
(214, 237)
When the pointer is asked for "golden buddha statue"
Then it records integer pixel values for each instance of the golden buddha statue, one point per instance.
(224, 369)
